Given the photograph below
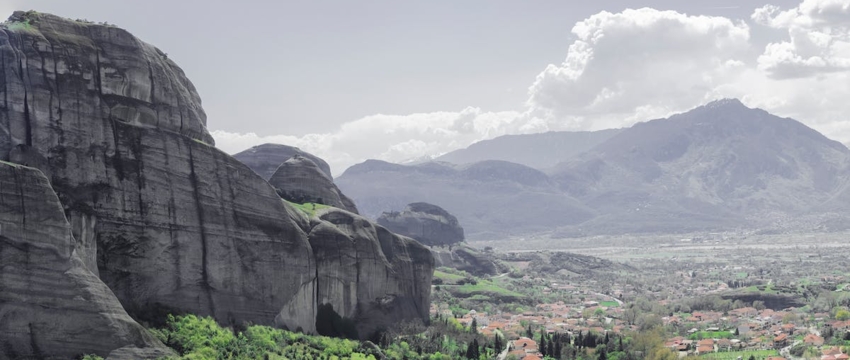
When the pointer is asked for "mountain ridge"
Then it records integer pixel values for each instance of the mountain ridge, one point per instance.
(721, 165)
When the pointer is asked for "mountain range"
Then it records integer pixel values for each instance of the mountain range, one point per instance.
(720, 166)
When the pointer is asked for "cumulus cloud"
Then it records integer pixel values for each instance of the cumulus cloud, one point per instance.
(637, 65)
(394, 138)
(819, 39)
(624, 68)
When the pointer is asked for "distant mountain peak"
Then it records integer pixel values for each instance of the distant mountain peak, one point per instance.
(725, 103)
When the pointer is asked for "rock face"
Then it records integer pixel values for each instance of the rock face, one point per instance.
(300, 180)
(367, 273)
(265, 159)
(427, 223)
(166, 220)
(467, 258)
(51, 306)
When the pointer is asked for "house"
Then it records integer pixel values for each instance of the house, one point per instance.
(813, 340)
(780, 341)
(526, 344)
(831, 351)
(705, 349)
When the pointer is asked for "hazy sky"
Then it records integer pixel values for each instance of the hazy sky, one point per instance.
(351, 80)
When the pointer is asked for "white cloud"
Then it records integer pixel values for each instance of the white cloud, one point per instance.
(637, 65)
(393, 138)
(624, 68)
(819, 39)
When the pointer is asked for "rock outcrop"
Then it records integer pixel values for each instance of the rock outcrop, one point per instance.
(169, 222)
(51, 306)
(429, 224)
(300, 180)
(367, 273)
(466, 258)
(166, 220)
(266, 158)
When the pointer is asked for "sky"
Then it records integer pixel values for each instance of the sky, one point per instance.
(401, 80)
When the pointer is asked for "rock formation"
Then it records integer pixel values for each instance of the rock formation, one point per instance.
(433, 226)
(166, 220)
(367, 273)
(51, 306)
(427, 223)
(300, 180)
(265, 159)
(466, 258)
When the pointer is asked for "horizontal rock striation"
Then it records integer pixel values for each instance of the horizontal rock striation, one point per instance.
(300, 180)
(51, 306)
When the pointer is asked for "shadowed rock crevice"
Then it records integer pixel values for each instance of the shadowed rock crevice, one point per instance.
(52, 306)
(367, 274)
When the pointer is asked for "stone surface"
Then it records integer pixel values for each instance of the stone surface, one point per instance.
(266, 158)
(466, 258)
(369, 274)
(300, 180)
(166, 220)
(51, 306)
(429, 224)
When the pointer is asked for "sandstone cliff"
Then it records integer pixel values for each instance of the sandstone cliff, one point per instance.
(51, 306)
(429, 224)
(300, 180)
(166, 220)
(266, 158)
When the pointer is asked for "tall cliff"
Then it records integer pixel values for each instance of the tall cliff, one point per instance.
(166, 220)
(369, 275)
(51, 306)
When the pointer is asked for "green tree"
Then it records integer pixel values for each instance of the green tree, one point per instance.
(842, 314)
